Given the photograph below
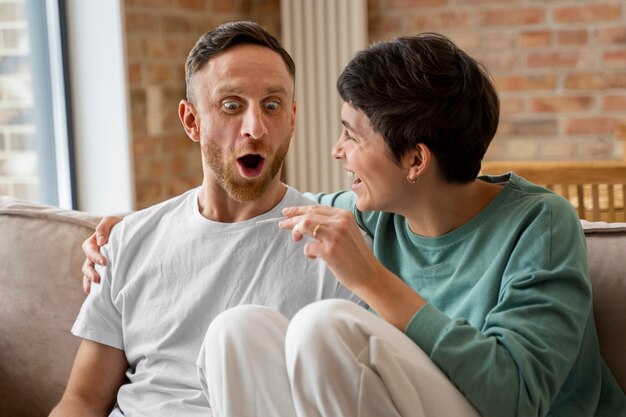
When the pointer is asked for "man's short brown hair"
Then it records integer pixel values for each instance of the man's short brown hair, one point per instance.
(226, 36)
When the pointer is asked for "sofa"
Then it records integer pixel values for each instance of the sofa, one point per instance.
(41, 294)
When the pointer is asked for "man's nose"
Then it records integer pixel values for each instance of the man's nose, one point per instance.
(253, 126)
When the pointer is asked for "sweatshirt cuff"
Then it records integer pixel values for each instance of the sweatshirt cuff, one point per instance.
(427, 327)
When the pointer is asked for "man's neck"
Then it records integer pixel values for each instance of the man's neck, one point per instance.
(215, 203)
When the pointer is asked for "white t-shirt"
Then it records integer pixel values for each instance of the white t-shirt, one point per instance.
(170, 271)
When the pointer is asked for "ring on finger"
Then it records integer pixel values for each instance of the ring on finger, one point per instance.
(317, 228)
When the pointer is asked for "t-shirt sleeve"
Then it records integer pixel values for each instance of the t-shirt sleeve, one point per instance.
(517, 362)
(99, 319)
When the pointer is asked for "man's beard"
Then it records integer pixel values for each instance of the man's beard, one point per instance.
(237, 187)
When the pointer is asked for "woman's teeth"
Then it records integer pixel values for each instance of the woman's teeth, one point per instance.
(354, 177)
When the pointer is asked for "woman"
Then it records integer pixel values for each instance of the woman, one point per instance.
(479, 286)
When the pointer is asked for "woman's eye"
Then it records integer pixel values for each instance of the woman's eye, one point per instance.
(347, 136)
(231, 106)
(272, 106)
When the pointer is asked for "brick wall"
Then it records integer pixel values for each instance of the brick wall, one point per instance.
(159, 35)
(559, 66)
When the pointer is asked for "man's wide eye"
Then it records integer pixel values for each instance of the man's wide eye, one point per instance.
(272, 106)
(231, 106)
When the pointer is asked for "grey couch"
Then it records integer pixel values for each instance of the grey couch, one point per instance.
(40, 295)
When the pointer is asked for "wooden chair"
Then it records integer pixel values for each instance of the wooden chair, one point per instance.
(596, 189)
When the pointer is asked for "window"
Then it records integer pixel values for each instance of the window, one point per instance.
(35, 147)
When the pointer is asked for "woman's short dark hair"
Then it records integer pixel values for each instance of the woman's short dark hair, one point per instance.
(226, 36)
(424, 89)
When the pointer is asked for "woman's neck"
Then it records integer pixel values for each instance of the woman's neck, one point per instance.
(442, 207)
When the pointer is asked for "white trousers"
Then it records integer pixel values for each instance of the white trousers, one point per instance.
(334, 359)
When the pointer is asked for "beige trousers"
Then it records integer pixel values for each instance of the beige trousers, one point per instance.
(334, 359)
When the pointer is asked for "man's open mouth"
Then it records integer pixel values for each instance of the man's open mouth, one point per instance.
(251, 165)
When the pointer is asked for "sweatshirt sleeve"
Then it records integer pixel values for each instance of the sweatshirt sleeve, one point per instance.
(341, 199)
(347, 200)
(517, 362)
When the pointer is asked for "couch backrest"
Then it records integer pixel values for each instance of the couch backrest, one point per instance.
(606, 244)
(40, 296)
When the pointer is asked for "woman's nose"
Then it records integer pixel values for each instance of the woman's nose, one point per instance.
(337, 151)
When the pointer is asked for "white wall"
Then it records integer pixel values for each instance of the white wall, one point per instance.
(100, 106)
(321, 36)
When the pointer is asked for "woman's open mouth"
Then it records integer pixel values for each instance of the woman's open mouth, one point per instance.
(356, 180)
(251, 165)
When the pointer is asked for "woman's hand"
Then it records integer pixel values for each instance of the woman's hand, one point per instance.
(91, 247)
(338, 240)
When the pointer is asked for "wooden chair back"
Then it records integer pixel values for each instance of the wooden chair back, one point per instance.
(596, 189)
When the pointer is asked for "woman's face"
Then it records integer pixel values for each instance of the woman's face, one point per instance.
(380, 183)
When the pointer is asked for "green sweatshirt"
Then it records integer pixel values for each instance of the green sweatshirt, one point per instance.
(509, 316)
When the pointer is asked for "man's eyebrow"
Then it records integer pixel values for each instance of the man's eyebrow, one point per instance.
(229, 89)
(279, 89)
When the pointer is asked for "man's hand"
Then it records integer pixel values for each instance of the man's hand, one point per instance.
(97, 375)
(91, 247)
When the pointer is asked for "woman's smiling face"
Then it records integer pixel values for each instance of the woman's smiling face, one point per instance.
(380, 183)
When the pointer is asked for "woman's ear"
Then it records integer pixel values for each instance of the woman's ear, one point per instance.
(189, 119)
(418, 161)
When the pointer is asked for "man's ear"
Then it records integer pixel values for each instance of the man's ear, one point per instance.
(293, 117)
(189, 119)
(418, 160)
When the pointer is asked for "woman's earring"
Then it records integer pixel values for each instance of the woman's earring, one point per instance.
(411, 180)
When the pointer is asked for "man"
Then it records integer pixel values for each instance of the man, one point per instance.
(174, 266)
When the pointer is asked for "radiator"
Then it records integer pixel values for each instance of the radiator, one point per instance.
(321, 36)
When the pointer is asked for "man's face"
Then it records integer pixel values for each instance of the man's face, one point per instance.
(246, 114)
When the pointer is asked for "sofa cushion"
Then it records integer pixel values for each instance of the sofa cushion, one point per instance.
(40, 296)
(606, 243)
